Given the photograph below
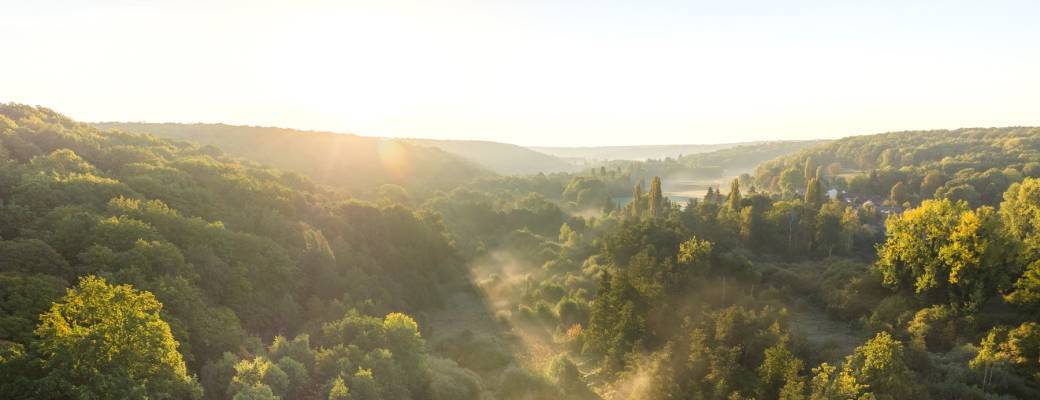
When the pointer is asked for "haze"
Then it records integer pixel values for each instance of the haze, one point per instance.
(532, 72)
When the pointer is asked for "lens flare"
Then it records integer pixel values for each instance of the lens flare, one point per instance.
(396, 159)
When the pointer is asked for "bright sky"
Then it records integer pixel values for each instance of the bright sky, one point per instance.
(532, 72)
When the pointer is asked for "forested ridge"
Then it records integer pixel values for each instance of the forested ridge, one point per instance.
(356, 164)
(239, 257)
(138, 267)
(975, 165)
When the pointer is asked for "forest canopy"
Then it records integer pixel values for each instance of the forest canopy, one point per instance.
(892, 266)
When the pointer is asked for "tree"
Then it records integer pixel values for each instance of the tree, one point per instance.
(979, 257)
(944, 252)
(909, 257)
(655, 198)
(809, 170)
(106, 340)
(1003, 351)
(566, 376)
(339, 390)
(694, 254)
(875, 370)
(829, 234)
(637, 200)
(23, 297)
(930, 183)
(408, 348)
(790, 179)
(814, 195)
(780, 372)
(733, 198)
(899, 194)
(1020, 216)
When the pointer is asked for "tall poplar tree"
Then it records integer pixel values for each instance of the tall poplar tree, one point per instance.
(733, 199)
(637, 200)
(814, 193)
(655, 197)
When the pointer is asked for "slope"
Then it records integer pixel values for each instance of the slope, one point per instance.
(355, 163)
(503, 158)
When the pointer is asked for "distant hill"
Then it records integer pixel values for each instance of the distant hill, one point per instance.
(972, 164)
(356, 163)
(633, 153)
(503, 158)
(741, 158)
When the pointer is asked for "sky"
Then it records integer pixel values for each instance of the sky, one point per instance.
(532, 72)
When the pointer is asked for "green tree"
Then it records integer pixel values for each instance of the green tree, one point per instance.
(637, 200)
(339, 390)
(566, 376)
(899, 194)
(655, 198)
(930, 183)
(1020, 216)
(944, 252)
(909, 258)
(829, 236)
(809, 169)
(790, 180)
(733, 198)
(780, 373)
(879, 364)
(814, 195)
(106, 340)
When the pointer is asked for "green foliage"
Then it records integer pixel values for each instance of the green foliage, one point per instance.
(974, 165)
(814, 195)
(23, 297)
(102, 337)
(655, 199)
(1020, 215)
(231, 248)
(880, 365)
(733, 198)
(876, 370)
(339, 390)
(586, 192)
(518, 384)
(448, 381)
(943, 252)
(780, 374)
(1006, 352)
(667, 302)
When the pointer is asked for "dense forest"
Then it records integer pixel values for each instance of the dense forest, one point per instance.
(973, 165)
(890, 266)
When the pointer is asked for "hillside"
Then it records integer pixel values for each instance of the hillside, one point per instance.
(632, 153)
(744, 158)
(355, 163)
(194, 266)
(133, 266)
(975, 165)
(503, 158)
